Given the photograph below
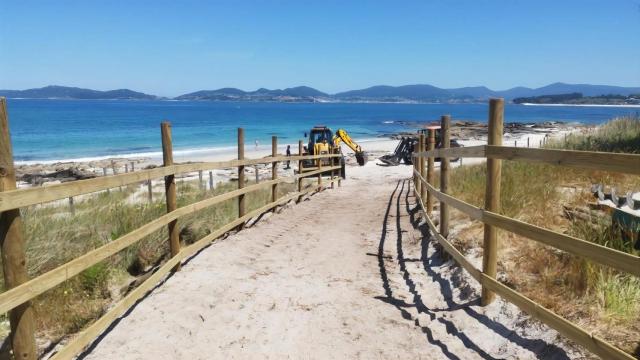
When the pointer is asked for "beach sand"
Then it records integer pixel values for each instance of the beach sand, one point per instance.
(346, 275)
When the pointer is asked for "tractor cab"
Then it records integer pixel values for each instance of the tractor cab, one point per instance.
(320, 139)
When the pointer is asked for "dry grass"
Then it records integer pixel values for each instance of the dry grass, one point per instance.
(55, 236)
(601, 299)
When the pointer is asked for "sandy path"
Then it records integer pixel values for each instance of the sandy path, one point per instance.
(344, 275)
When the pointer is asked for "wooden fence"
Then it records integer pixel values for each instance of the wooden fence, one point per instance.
(489, 215)
(21, 290)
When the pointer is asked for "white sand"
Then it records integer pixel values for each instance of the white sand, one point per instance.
(344, 275)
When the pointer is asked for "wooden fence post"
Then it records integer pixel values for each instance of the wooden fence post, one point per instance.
(133, 168)
(492, 196)
(421, 163)
(431, 174)
(21, 318)
(126, 168)
(414, 162)
(444, 174)
(255, 168)
(241, 198)
(150, 190)
(300, 169)
(200, 184)
(274, 168)
(528, 142)
(418, 184)
(170, 190)
(210, 180)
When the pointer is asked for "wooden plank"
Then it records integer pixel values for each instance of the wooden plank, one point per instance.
(36, 195)
(477, 151)
(77, 344)
(422, 164)
(614, 162)
(12, 246)
(566, 328)
(300, 179)
(274, 168)
(241, 198)
(492, 196)
(431, 174)
(13, 199)
(170, 190)
(473, 212)
(598, 253)
(445, 137)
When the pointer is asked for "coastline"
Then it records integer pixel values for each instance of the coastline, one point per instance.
(39, 173)
(585, 105)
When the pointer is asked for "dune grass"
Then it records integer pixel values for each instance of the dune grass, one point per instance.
(606, 300)
(55, 236)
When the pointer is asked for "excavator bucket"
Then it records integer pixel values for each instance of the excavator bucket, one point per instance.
(361, 157)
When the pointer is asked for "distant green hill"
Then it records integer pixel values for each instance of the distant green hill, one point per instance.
(65, 92)
(300, 92)
(579, 99)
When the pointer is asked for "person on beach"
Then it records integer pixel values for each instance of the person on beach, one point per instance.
(256, 144)
(288, 154)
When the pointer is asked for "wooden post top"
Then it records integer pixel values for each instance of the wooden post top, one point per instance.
(167, 146)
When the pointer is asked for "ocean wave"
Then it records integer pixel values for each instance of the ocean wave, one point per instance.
(147, 154)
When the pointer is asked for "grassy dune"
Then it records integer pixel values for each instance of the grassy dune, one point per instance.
(595, 296)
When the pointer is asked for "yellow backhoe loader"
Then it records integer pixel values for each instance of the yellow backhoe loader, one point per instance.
(323, 141)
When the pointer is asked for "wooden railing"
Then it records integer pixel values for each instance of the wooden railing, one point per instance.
(489, 215)
(21, 290)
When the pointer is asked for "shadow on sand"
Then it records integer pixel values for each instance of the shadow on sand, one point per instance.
(542, 349)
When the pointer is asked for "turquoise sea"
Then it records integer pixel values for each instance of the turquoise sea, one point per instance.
(46, 130)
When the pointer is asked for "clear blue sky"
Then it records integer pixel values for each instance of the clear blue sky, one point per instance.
(173, 47)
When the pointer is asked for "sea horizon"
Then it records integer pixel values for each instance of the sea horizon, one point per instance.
(64, 130)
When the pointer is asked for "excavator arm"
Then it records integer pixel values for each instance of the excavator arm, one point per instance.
(341, 135)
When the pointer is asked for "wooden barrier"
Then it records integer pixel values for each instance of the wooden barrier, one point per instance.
(21, 290)
(492, 196)
(274, 168)
(241, 198)
(431, 144)
(421, 163)
(170, 190)
(12, 244)
(300, 180)
(624, 163)
(445, 140)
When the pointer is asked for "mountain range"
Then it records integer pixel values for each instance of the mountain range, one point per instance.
(65, 92)
(383, 93)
